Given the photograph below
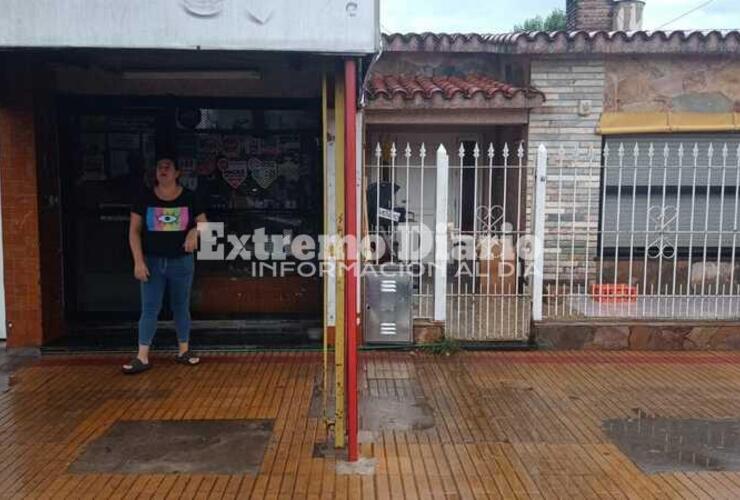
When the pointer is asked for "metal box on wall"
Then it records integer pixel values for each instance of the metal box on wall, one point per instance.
(388, 295)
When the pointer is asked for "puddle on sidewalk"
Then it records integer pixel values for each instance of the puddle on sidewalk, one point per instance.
(659, 444)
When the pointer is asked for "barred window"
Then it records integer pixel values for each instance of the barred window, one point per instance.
(671, 194)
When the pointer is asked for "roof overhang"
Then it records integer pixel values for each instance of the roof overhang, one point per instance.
(447, 117)
(438, 102)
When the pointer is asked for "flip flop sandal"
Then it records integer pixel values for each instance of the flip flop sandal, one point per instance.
(187, 358)
(136, 366)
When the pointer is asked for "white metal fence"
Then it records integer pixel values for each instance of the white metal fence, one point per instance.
(647, 228)
(472, 276)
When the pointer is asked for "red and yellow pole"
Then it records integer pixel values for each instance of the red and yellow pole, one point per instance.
(350, 224)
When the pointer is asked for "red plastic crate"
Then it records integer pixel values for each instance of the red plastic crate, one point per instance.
(612, 293)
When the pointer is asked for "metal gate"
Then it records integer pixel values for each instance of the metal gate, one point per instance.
(462, 227)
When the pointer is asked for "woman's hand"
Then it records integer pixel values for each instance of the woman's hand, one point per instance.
(141, 271)
(191, 241)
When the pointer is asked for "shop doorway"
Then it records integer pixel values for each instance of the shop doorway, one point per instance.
(256, 164)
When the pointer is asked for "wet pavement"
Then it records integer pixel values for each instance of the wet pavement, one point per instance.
(472, 425)
(659, 444)
(11, 361)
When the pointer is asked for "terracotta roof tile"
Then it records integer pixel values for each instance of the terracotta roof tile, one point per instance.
(449, 87)
(541, 42)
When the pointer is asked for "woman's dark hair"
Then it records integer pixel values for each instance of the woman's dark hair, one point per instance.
(150, 178)
(169, 158)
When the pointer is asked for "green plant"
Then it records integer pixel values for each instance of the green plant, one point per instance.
(555, 21)
(445, 347)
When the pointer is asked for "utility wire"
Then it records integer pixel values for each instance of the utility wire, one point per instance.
(704, 4)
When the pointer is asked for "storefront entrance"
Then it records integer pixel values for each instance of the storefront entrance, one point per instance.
(256, 164)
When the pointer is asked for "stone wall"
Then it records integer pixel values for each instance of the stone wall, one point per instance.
(574, 91)
(687, 84)
(436, 64)
(642, 336)
(504, 68)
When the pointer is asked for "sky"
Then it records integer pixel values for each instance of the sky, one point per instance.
(487, 16)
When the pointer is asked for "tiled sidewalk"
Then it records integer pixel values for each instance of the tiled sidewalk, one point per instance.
(472, 425)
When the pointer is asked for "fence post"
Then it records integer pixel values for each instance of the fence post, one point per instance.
(540, 186)
(440, 235)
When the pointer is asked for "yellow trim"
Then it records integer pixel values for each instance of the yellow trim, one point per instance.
(339, 422)
(667, 122)
(325, 281)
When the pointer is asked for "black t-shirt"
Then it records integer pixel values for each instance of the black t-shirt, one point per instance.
(166, 223)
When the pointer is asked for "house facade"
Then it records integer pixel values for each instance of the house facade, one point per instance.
(639, 210)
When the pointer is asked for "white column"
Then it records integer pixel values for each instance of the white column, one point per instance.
(540, 185)
(360, 175)
(440, 235)
(330, 307)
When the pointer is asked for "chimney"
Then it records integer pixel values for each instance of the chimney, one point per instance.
(627, 15)
(589, 15)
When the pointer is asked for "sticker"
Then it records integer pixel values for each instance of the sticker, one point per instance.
(209, 144)
(270, 146)
(264, 173)
(222, 164)
(230, 145)
(206, 166)
(235, 173)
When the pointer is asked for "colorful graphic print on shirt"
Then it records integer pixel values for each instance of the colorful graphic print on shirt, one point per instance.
(167, 218)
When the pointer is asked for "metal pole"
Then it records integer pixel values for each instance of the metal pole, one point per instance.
(350, 220)
(340, 367)
(440, 235)
(539, 232)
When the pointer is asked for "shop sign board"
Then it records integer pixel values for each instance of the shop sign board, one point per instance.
(325, 26)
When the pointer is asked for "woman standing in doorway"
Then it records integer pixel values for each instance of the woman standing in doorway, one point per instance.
(163, 236)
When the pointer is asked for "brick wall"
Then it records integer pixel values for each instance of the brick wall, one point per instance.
(20, 209)
(50, 216)
(589, 15)
(571, 200)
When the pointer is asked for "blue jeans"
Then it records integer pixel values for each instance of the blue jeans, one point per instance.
(175, 273)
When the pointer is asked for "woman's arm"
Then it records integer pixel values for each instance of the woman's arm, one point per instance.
(134, 240)
(191, 240)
